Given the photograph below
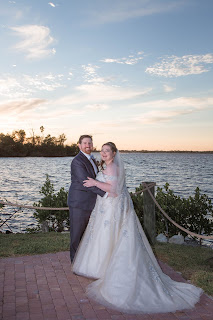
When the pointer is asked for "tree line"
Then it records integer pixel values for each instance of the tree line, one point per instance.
(18, 144)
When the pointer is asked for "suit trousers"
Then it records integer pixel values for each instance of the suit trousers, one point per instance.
(79, 219)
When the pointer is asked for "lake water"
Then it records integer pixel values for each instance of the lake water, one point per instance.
(21, 178)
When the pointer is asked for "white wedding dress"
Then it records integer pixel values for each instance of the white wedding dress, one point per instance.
(115, 250)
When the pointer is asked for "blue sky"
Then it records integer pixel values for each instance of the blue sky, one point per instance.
(135, 72)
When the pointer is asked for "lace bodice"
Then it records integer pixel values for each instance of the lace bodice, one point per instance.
(103, 177)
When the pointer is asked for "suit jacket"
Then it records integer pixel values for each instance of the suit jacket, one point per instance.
(80, 196)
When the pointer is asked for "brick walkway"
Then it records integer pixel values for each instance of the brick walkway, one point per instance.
(43, 287)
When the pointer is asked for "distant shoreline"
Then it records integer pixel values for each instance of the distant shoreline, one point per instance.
(121, 151)
(160, 151)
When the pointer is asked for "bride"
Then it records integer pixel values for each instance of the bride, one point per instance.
(116, 253)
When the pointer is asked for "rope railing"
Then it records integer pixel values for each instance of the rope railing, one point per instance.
(11, 204)
(17, 205)
(147, 188)
(200, 236)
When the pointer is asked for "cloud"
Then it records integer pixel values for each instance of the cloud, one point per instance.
(90, 69)
(161, 116)
(100, 93)
(48, 82)
(91, 75)
(37, 41)
(90, 72)
(100, 125)
(181, 102)
(118, 11)
(168, 88)
(26, 85)
(174, 66)
(96, 107)
(51, 4)
(130, 60)
(11, 88)
(20, 106)
(181, 106)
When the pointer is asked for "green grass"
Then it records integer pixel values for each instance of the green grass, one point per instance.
(28, 244)
(190, 261)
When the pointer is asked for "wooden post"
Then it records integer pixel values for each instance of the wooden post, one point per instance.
(149, 214)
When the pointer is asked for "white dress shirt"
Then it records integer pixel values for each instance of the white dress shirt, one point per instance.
(94, 167)
(89, 157)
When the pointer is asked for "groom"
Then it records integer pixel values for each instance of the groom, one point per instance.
(81, 200)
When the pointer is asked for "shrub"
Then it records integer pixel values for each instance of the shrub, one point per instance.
(56, 220)
(194, 213)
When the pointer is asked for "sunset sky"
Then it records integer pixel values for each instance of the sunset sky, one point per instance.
(135, 72)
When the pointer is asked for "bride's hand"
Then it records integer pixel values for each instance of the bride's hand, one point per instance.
(89, 183)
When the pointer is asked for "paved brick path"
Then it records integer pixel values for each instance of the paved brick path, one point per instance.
(43, 287)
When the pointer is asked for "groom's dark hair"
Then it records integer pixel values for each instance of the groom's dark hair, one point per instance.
(84, 136)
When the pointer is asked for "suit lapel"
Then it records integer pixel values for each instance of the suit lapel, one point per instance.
(87, 163)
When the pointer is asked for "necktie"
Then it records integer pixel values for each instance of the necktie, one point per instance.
(93, 164)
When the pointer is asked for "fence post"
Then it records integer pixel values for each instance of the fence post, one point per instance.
(149, 214)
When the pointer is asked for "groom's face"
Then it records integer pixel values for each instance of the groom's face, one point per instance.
(86, 145)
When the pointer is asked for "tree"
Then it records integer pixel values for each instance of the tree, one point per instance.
(42, 131)
(61, 139)
(32, 138)
(19, 136)
(49, 140)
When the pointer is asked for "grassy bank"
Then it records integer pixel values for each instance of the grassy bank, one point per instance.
(29, 244)
(190, 261)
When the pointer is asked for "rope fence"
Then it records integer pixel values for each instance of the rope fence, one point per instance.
(17, 205)
(147, 187)
(200, 236)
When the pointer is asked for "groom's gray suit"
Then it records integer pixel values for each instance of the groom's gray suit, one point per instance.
(81, 200)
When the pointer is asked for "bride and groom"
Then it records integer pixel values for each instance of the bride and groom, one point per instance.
(113, 249)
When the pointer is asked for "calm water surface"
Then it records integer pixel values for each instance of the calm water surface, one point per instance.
(22, 178)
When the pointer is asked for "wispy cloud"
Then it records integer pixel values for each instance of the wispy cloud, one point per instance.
(130, 60)
(11, 88)
(20, 106)
(90, 72)
(161, 116)
(100, 94)
(174, 66)
(48, 82)
(91, 75)
(118, 11)
(167, 110)
(37, 41)
(26, 85)
(181, 102)
(96, 107)
(51, 4)
(168, 88)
